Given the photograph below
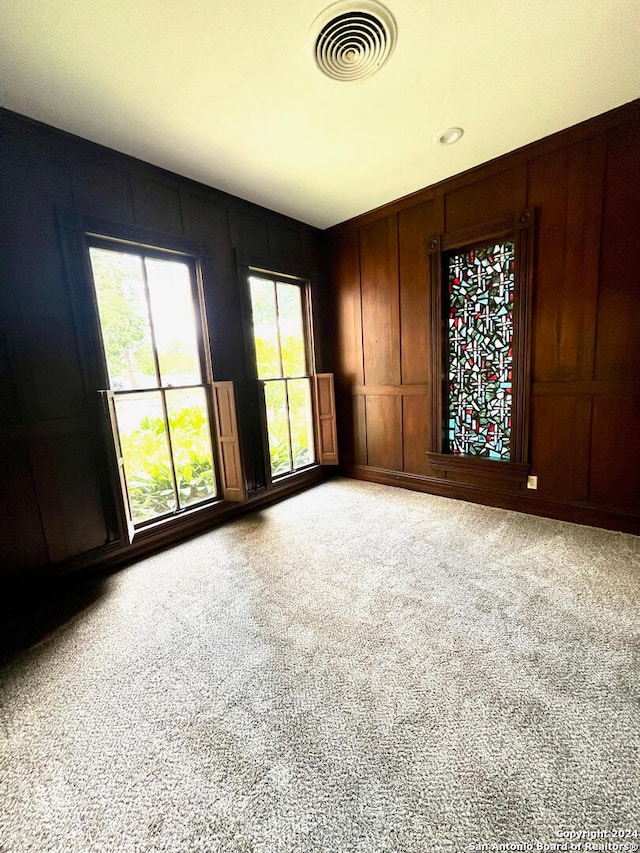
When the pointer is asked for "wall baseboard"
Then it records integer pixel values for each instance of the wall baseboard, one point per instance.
(608, 518)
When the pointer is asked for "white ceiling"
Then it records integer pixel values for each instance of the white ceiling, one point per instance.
(227, 92)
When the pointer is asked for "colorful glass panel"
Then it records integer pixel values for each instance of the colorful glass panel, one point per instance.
(480, 350)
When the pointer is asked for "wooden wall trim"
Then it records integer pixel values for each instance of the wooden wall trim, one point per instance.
(506, 475)
(528, 502)
(390, 390)
(521, 230)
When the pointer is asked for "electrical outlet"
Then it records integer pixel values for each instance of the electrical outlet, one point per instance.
(532, 482)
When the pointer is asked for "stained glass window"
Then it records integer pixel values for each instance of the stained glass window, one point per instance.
(480, 350)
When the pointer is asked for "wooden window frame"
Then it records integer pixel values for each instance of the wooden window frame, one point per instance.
(511, 474)
(305, 297)
(78, 233)
(321, 384)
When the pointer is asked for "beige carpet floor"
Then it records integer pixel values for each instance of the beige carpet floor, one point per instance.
(357, 669)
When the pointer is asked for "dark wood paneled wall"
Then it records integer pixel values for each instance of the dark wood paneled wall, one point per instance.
(584, 427)
(54, 493)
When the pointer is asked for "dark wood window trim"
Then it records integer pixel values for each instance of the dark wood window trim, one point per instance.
(521, 231)
(77, 233)
(325, 433)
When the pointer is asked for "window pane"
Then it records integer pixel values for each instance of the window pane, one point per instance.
(191, 445)
(480, 334)
(174, 323)
(294, 362)
(124, 319)
(301, 422)
(277, 427)
(145, 450)
(265, 329)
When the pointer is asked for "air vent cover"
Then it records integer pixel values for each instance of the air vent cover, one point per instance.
(353, 40)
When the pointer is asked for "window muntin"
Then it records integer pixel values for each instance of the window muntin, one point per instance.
(147, 313)
(281, 352)
(479, 342)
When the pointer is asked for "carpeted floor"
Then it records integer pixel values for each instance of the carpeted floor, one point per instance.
(358, 668)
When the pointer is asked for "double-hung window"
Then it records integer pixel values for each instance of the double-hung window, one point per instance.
(298, 404)
(152, 341)
(173, 433)
(282, 363)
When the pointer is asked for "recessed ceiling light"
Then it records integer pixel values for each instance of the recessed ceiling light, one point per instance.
(449, 136)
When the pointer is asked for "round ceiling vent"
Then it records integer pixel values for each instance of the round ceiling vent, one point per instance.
(353, 39)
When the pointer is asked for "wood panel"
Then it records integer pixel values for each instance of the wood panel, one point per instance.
(615, 451)
(566, 189)
(380, 302)
(351, 422)
(590, 388)
(157, 205)
(384, 432)
(359, 414)
(560, 445)
(547, 192)
(208, 222)
(491, 199)
(285, 242)
(617, 350)
(582, 249)
(391, 390)
(250, 233)
(415, 226)
(42, 336)
(103, 191)
(345, 273)
(73, 514)
(416, 434)
(22, 543)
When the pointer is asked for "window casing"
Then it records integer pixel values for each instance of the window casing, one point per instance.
(158, 384)
(480, 332)
(214, 427)
(283, 357)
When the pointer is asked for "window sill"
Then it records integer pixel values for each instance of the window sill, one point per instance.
(288, 475)
(479, 470)
(176, 520)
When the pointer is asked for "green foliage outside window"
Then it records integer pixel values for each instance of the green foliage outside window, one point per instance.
(126, 334)
(145, 453)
